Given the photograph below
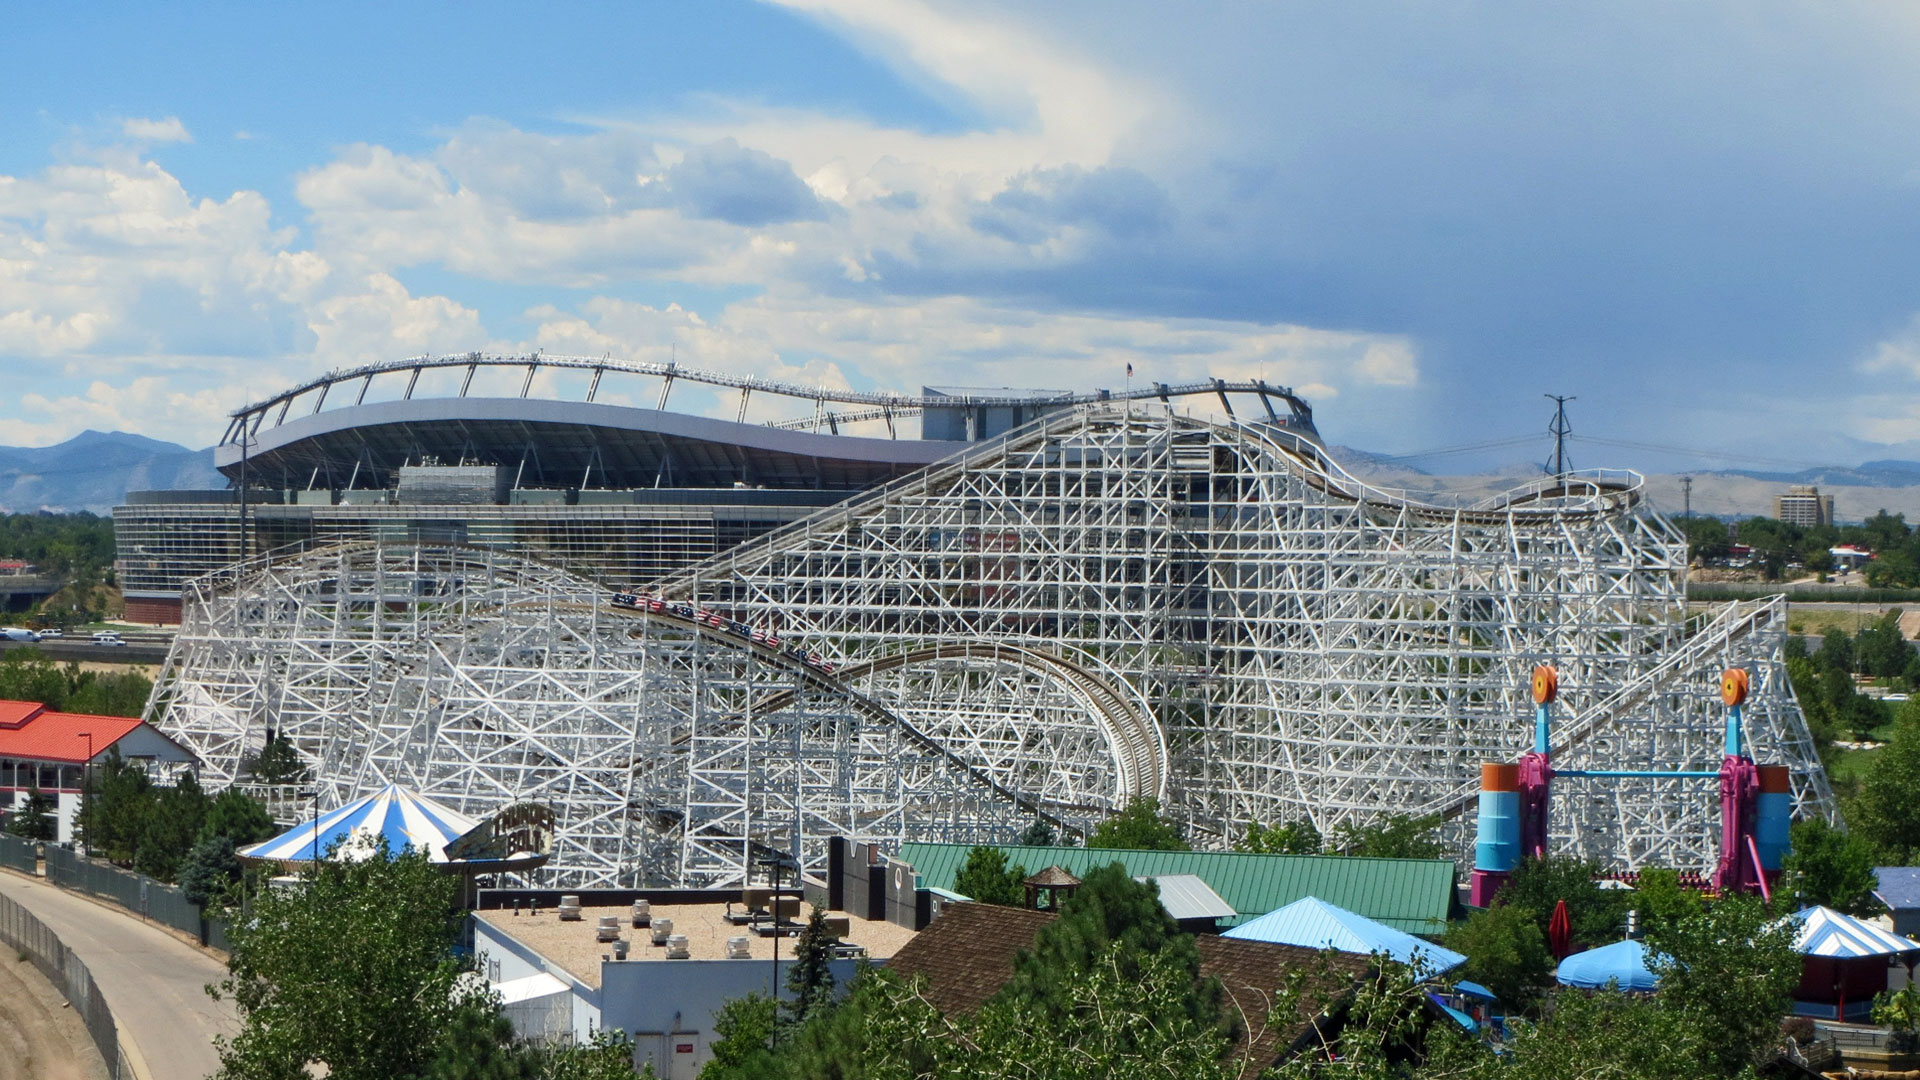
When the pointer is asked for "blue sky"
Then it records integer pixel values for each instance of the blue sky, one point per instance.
(1702, 219)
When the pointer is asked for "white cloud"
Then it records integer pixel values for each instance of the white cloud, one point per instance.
(1898, 353)
(168, 130)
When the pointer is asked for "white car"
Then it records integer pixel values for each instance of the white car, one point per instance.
(108, 637)
(52, 633)
(15, 633)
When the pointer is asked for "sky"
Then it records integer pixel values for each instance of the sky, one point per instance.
(1702, 219)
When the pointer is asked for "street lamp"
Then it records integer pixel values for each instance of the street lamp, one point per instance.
(315, 818)
(775, 864)
(86, 796)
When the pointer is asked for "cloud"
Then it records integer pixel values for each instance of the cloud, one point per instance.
(1121, 202)
(169, 130)
(741, 186)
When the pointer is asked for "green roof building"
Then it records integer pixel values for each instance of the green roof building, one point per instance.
(1414, 895)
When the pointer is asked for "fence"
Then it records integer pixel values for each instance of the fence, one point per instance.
(31, 938)
(18, 854)
(164, 904)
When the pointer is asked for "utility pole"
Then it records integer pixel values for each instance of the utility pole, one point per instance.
(1686, 489)
(1559, 429)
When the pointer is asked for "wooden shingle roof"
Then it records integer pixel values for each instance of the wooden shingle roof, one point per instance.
(968, 953)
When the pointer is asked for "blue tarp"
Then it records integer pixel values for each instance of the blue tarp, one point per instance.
(1312, 923)
(1623, 962)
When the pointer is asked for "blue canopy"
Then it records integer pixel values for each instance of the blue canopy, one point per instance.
(1623, 962)
(1312, 923)
(402, 817)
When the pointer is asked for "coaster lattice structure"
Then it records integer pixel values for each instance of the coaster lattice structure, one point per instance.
(1314, 648)
(676, 748)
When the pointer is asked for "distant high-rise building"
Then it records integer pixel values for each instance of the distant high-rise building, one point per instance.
(1803, 506)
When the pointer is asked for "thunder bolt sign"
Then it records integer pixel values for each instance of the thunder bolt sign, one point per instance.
(518, 832)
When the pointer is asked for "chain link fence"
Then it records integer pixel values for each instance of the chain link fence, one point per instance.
(34, 941)
(19, 854)
(164, 904)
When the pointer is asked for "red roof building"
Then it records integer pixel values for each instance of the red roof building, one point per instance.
(43, 749)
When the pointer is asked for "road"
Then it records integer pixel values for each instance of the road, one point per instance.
(153, 981)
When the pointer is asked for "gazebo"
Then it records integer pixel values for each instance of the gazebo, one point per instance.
(1055, 882)
(1844, 963)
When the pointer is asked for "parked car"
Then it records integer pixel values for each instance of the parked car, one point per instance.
(16, 633)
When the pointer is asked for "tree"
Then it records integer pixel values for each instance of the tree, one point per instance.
(1885, 813)
(1660, 898)
(1110, 918)
(1727, 975)
(987, 878)
(35, 819)
(1291, 838)
(1506, 952)
(1538, 884)
(209, 870)
(1880, 649)
(354, 970)
(478, 1044)
(1138, 827)
(1039, 834)
(239, 817)
(114, 812)
(1831, 868)
(276, 763)
(1836, 650)
(608, 1055)
(1396, 836)
(742, 1047)
(174, 816)
(810, 979)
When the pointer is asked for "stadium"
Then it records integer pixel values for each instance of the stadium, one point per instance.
(709, 642)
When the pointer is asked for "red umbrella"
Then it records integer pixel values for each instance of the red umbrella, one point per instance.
(1560, 931)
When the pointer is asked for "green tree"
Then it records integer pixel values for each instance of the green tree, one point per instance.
(1885, 812)
(1880, 649)
(1727, 975)
(1395, 836)
(209, 870)
(1138, 827)
(1597, 915)
(114, 813)
(1291, 838)
(239, 817)
(1660, 898)
(172, 824)
(608, 1055)
(1836, 651)
(276, 763)
(35, 818)
(1506, 952)
(1830, 868)
(742, 1047)
(1110, 910)
(810, 979)
(478, 1044)
(987, 878)
(355, 971)
(1039, 834)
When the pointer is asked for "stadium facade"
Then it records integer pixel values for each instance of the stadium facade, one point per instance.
(1077, 600)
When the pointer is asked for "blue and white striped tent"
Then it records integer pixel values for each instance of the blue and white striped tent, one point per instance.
(350, 832)
(1822, 931)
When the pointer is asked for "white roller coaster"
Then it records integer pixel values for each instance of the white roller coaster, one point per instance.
(1102, 604)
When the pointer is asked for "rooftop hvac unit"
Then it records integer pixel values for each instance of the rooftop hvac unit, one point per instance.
(609, 928)
(677, 947)
(662, 930)
(642, 913)
(570, 908)
(619, 949)
(739, 948)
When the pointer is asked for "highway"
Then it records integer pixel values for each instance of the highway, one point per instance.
(153, 981)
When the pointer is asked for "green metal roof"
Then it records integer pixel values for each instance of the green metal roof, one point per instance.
(1413, 895)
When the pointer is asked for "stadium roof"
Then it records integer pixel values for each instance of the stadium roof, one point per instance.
(1411, 895)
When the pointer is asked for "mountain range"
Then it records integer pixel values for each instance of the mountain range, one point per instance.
(94, 470)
